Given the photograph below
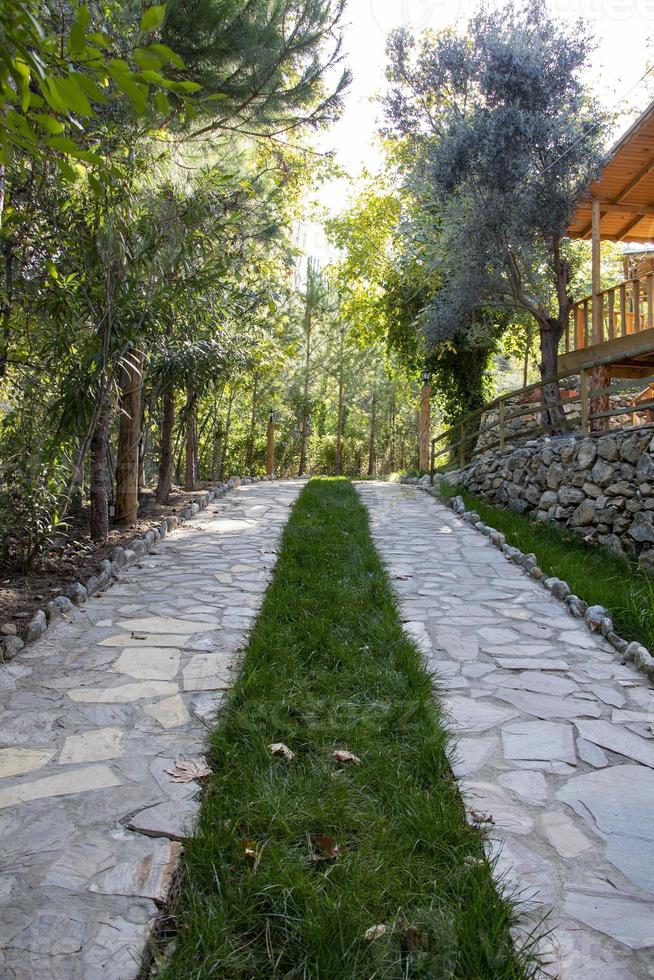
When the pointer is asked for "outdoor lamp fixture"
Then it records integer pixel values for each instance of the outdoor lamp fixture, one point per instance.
(271, 415)
(425, 376)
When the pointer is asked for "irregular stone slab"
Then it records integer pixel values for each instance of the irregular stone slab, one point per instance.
(149, 663)
(616, 739)
(207, 672)
(545, 706)
(524, 874)
(117, 948)
(456, 643)
(64, 784)
(539, 740)
(466, 715)
(532, 680)
(592, 754)
(489, 800)
(96, 745)
(530, 785)
(467, 755)
(172, 820)
(624, 919)
(126, 640)
(123, 693)
(170, 713)
(15, 761)
(168, 625)
(147, 874)
(80, 863)
(620, 799)
(538, 663)
(564, 835)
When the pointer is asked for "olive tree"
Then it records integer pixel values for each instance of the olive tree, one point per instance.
(503, 139)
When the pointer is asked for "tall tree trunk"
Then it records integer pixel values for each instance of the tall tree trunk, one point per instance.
(225, 446)
(217, 449)
(166, 454)
(129, 437)
(190, 471)
(6, 308)
(99, 481)
(253, 421)
(392, 426)
(372, 451)
(338, 462)
(551, 331)
(552, 415)
(305, 394)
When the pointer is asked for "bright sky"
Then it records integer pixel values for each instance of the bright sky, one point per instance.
(622, 28)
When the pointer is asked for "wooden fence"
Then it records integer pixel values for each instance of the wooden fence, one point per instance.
(584, 406)
(625, 308)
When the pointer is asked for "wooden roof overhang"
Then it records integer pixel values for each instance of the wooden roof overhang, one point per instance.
(625, 190)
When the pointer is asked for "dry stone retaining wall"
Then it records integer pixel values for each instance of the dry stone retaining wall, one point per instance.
(601, 487)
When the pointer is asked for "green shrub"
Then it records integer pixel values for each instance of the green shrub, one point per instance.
(29, 502)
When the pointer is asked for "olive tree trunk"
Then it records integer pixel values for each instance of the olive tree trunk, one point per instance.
(99, 482)
(165, 479)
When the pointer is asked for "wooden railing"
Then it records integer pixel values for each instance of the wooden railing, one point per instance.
(585, 406)
(625, 308)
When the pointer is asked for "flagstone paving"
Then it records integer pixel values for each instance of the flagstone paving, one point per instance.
(553, 736)
(93, 716)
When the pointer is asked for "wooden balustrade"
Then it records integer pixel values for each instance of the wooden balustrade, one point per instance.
(626, 308)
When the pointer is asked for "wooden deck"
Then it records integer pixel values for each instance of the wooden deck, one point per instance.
(629, 356)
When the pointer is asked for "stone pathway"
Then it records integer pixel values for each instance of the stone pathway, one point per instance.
(94, 715)
(553, 734)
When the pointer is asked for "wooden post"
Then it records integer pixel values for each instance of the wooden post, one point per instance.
(611, 302)
(635, 294)
(425, 423)
(623, 310)
(462, 446)
(432, 461)
(650, 300)
(500, 410)
(596, 272)
(584, 400)
(270, 453)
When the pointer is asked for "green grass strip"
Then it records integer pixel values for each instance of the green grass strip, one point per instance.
(329, 667)
(595, 574)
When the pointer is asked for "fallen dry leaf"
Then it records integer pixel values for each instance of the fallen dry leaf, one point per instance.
(139, 636)
(322, 847)
(375, 932)
(186, 770)
(411, 940)
(249, 848)
(342, 755)
(278, 748)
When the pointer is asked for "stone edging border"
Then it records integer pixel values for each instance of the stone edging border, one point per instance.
(596, 618)
(109, 569)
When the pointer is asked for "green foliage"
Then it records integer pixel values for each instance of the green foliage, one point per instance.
(265, 68)
(29, 501)
(498, 138)
(61, 74)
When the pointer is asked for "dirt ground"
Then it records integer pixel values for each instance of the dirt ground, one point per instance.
(76, 557)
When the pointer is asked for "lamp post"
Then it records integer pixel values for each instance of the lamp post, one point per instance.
(270, 454)
(425, 421)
